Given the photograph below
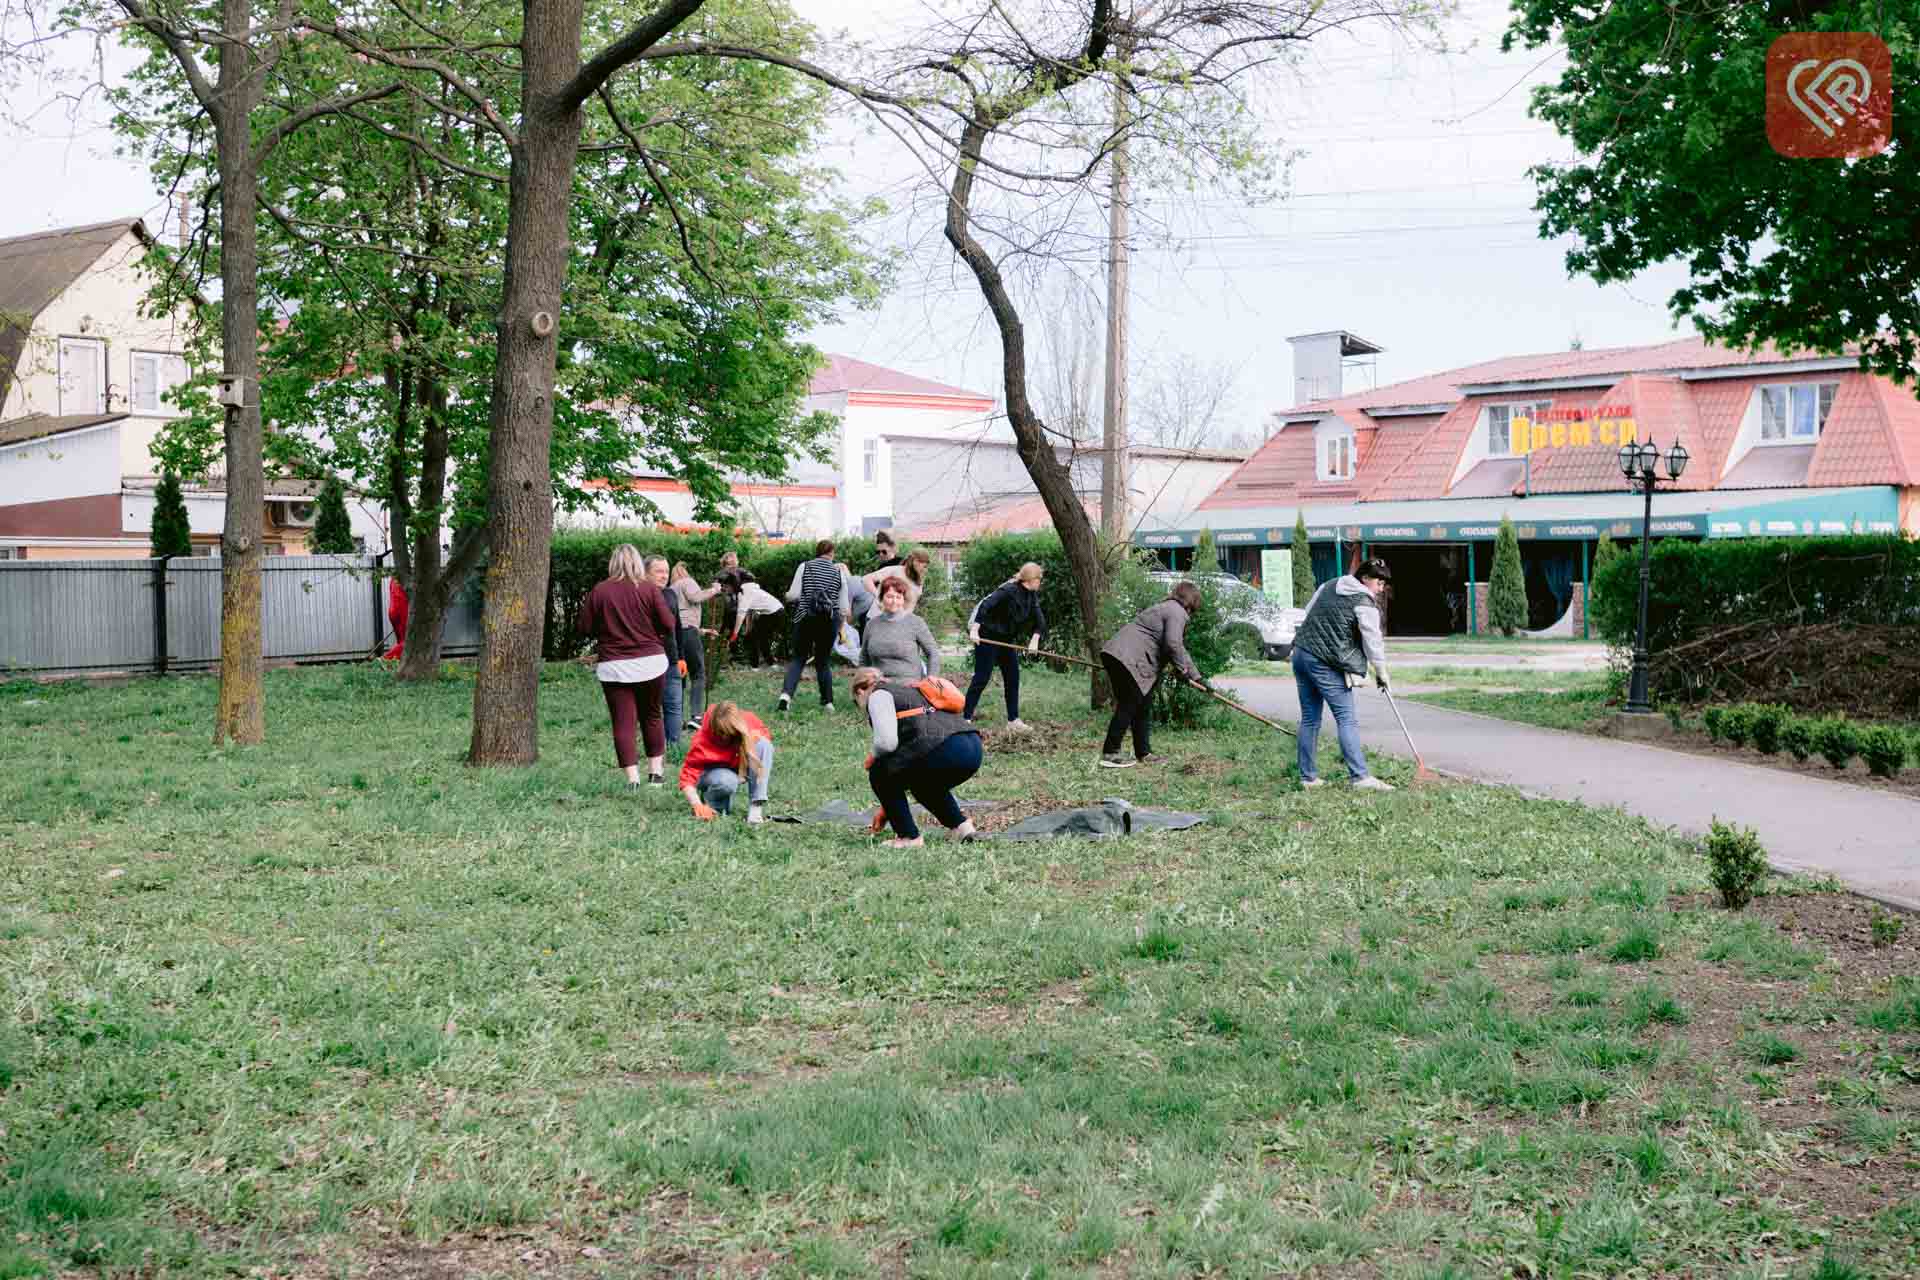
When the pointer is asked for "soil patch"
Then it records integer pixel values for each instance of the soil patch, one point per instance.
(1907, 782)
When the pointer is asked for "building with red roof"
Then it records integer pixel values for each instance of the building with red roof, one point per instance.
(1421, 472)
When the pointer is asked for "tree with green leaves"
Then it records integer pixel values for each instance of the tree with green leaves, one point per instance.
(1604, 553)
(1507, 592)
(332, 530)
(1665, 106)
(1206, 556)
(705, 242)
(1303, 583)
(172, 535)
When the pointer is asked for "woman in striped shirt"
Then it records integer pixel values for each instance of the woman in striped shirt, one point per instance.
(818, 595)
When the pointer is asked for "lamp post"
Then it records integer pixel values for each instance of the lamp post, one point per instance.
(1639, 464)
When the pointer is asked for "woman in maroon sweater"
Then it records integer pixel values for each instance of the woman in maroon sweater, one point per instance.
(628, 618)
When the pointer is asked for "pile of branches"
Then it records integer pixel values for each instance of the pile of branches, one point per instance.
(1870, 670)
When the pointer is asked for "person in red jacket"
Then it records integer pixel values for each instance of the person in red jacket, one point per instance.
(630, 622)
(730, 742)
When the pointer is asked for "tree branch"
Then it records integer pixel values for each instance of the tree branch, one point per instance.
(640, 37)
(177, 46)
(338, 105)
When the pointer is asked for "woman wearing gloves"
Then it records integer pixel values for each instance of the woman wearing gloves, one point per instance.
(730, 742)
(898, 642)
(1331, 649)
(916, 749)
(1010, 615)
(693, 649)
(1133, 658)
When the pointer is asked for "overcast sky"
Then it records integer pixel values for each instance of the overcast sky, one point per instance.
(1407, 221)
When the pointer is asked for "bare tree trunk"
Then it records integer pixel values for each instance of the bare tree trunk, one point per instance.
(434, 583)
(240, 715)
(1051, 477)
(506, 722)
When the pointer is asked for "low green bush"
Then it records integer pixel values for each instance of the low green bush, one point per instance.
(1736, 724)
(1797, 736)
(1715, 718)
(1737, 863)
(1768, 719)
(1837, 739)
(1885, 751)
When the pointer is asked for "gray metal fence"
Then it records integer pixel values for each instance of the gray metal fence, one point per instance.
(78, 616)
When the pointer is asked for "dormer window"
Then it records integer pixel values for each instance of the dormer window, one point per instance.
(1500, 442)
(1334, 446)
(1795, 412)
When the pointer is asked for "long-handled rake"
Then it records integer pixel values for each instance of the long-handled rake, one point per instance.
(1224, 701)
(1420, 771)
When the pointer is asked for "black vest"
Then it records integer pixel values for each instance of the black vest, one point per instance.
(922, 732)
(1331, 633)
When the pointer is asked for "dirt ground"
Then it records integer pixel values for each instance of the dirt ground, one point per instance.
(1907, 783)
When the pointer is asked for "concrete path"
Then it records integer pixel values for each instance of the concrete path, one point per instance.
(1867, 838)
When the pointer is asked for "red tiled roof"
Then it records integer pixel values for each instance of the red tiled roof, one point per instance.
(1663, 408)
(1025, 515)
(1902, 411)
(844, 373)
(1274, 474)
(1863, 441)
(1429, 465)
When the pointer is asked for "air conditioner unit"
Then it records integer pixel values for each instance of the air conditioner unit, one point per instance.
(297, 512)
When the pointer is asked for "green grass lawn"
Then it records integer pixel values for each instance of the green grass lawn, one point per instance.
(1552, 699)
(341, 1005)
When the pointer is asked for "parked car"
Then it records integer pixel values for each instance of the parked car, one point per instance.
(1241, 604)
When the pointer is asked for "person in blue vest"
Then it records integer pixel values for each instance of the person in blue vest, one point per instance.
(1332, 648)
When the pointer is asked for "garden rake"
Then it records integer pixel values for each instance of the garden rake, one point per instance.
(1421, 773)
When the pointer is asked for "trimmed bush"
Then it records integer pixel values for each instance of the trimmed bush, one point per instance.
(332, 529)
(1885, 751)
(1303, 583)
(1737, 864)
(1768, 719)
(1837, 739)
(1736, 724)
(1507, 589)
(172, 536)
(1715, 718)
(992, 560)
(1797, 736)
(579, 561)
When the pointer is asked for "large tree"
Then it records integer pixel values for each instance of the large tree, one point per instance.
(699, 249)
(1666, 106)
(1009, 107)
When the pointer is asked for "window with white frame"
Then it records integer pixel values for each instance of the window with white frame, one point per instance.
(1500, 441)
(1795, 412)
(83, 375)
(155, 373)
(1336, 457)
(870, 461)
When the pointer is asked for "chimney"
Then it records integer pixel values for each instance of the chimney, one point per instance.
(1320, 361)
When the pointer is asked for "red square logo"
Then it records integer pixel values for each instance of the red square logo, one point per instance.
(1829, 95)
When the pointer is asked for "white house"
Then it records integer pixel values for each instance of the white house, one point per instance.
(83, 376)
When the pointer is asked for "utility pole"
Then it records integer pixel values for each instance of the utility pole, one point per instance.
(1113, 470)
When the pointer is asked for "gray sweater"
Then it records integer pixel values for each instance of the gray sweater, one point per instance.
(897, 643)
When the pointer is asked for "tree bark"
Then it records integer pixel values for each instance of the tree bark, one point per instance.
(240, 714)
(1051, 477)
(435, 583)
(506, 721)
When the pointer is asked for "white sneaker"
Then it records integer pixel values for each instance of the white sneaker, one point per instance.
(1371, 783)
(1018, 726)
(755, 814)
(1305, 783)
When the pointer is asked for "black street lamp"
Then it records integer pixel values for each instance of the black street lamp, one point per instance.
(1638, 463)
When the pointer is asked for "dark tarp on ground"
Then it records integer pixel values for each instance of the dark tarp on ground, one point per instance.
(1111, 817)
(840, 813)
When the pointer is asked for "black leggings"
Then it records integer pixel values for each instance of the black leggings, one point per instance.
(1129, 709)
(813, 636)
(985, 658)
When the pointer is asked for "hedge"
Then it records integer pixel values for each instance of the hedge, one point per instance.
(1699, 589)
(579, 560)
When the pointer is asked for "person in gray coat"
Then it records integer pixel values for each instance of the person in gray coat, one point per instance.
(1133, 658)
(897, 642)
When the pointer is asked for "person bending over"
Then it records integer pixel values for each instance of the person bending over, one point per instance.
(1010, 614)
(731, 742)
(1331, 649)
(916, 750)
(628, 618)
(912, 570)
(898, 642)
(1156, 637)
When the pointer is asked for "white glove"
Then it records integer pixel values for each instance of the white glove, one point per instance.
(973, 635)
(1033, 645)
(1380, 677)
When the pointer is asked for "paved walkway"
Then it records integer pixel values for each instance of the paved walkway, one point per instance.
(1869, 839)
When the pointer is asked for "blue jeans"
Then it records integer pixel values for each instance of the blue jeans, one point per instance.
(1321, 685)
(932, 779)
(718, 784)
(985, 658)
(670, 701)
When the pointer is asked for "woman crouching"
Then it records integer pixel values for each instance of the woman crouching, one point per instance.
(918, 750)
(731, 742)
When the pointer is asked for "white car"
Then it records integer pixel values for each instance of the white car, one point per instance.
(1242, 604)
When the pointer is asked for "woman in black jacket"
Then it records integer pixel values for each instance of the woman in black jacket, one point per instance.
(1011, 615)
